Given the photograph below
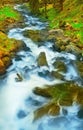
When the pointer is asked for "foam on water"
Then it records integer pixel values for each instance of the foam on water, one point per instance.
(15, 97)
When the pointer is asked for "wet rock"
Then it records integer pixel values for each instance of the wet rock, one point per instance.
(80, 114)
(73, 49)
(35, 35)
(18, 58)
(2, 67)
(54, 34)
(48, 109)
(41, 60)
(21, 114)
(60, 65)
(7, 61)
(54, 110)
(19, 78)
(80, 96)
(66, 100)
(45, 92)
(57, 75)
(79, 65)
(65, 112)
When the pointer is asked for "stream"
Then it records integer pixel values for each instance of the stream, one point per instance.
(17, 100)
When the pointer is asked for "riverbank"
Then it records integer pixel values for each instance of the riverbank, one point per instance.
(65, 26)
(70, 21)
(9, 18)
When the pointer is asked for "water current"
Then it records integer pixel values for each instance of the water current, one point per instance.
(17, 101)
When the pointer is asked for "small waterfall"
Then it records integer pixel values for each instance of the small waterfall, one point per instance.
(17, 101)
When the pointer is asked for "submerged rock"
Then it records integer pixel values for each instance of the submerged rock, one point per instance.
(19, 77)
(21, 114)
(41, 60)
(80, 113)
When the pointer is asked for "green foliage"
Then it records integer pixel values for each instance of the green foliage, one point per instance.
(8, 11)
(34, 6)
(71, 14)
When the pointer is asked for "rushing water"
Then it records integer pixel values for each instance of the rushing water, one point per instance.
(17, 102)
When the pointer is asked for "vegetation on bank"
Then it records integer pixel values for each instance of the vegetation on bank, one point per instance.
(8, 12)
(65, 14)
(8, 18)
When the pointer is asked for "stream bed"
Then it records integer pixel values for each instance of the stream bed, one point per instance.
(17, 100)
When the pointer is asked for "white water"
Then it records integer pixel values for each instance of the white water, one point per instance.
(17, 99)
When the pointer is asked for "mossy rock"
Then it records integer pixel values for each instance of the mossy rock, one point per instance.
(45, 92)
(35, 35)
(57, 75)
(73, 49)
(60, 94)
(41, 60)
(60, 65)
(2, 67)
(79, 65)
(80, 97)
(6, 60)
(48, 109)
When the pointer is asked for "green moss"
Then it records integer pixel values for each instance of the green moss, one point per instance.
(8, 11)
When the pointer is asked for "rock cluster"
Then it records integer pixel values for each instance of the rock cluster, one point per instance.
(59, 95)
(65, 43)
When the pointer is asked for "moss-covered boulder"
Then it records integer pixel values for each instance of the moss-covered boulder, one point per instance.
(41, 60)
